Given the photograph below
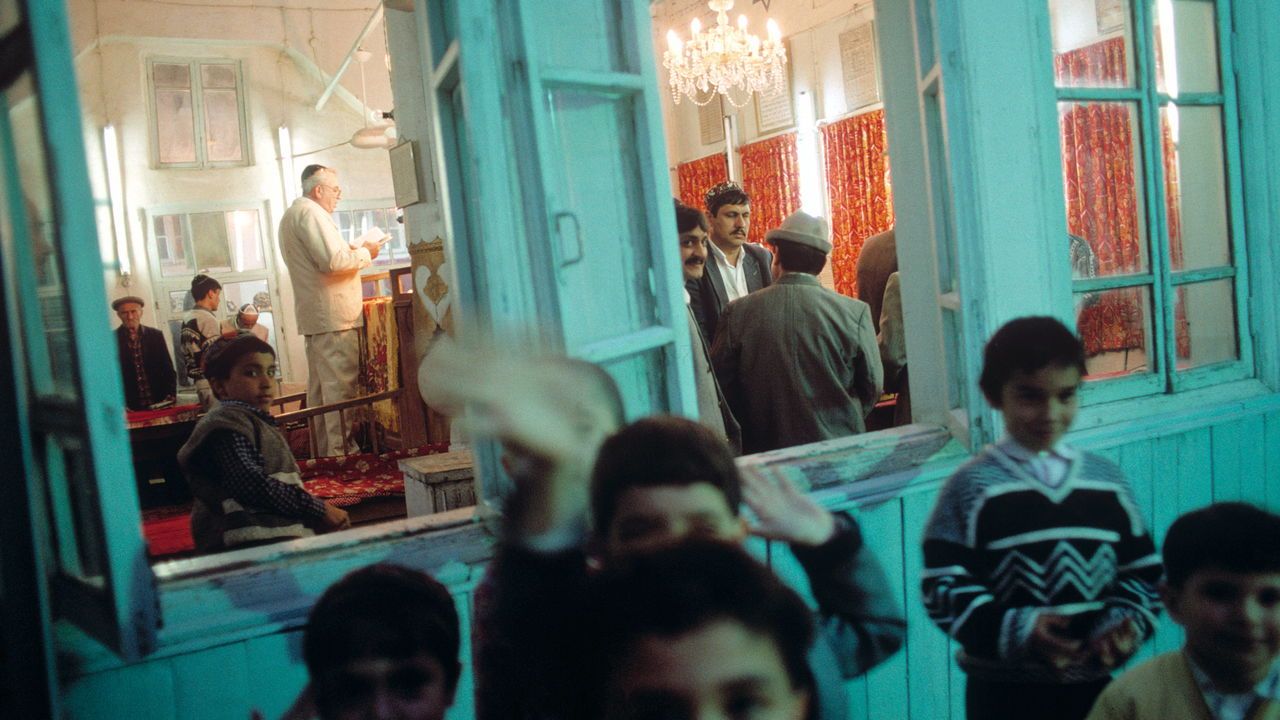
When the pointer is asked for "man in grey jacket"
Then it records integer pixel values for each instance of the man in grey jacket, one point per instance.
(798, 362)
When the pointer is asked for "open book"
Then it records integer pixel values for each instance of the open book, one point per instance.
(375, 234)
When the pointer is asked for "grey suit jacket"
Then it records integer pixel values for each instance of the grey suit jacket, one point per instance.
(798, 363)
(708, 296)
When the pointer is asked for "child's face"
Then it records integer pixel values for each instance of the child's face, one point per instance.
(721, 670)
(252, 381)
(414, 688)
(1039, 406)
(1232, 623)
(648, 517)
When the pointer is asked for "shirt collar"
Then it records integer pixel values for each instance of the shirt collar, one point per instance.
(1268, 689)
(1018, 452)
(256, 411)
(720, 254)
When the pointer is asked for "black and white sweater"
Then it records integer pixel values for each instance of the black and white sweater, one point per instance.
(1002, 546)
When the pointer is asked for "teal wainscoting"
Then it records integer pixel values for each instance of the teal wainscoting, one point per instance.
(889, 480)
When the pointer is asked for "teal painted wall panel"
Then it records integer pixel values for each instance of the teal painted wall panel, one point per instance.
(213, 684)
(1271, 461)
(272, 692)
(1195, 470)
(884, 689)
(928, 651)
(1226, 442)
(139, 692)
(1252, 468)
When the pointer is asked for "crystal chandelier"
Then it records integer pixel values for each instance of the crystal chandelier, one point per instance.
(723, 58)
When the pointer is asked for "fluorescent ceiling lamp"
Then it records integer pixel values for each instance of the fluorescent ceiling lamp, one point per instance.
(115, 196)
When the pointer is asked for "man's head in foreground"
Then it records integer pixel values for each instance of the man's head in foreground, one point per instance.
(663, 478)
(700, 630)
(383, 642)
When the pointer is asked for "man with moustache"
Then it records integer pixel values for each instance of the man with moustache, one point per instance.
(713, 409)
(735, 267)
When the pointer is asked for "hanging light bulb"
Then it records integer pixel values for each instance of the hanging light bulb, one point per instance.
(724, 59)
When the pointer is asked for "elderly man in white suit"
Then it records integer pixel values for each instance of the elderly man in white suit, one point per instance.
(327, 298)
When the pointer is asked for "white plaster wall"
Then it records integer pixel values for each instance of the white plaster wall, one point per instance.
(285, 53)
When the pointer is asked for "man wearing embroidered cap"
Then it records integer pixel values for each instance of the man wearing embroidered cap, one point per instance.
(145, 363)
(798, 362)
(734, 266)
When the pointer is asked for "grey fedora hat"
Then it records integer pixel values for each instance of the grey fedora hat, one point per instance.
(802, 228)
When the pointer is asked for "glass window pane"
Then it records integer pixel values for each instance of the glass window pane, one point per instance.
(85, 506)
(1186, 47)
(1195, 187)
(218, 76)
(209, 238)
(1092, 43)
(1102, 176)
(171, 76)
(1115, 326)
(175, 126)
(595, 189)
(171, 246)
(249, 292)
(592, 19)
(1205, 323)
(222, 126)
(246, 245)
(640, 379)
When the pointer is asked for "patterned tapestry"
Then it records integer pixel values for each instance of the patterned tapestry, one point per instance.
(1102, 201)
(381, 367)
(698, 176)
(859, 189)
(771, 176)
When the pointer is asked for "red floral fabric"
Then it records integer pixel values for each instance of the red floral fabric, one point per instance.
(1102, 197)
(347, 479)
(861, 196)
(771, 176)
(696, 177)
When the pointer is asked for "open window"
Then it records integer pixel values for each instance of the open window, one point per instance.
(70, 408)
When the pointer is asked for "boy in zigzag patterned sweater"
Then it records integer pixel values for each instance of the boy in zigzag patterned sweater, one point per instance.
(1036, 558)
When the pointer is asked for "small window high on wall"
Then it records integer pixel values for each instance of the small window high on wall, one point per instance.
(1150, 160)
(198, 114)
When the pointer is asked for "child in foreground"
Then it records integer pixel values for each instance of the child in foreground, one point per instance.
(699, 630)
(1036, 558)
(244, 478)
(1222, 585)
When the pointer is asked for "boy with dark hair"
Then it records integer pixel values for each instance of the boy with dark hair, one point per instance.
(1036, 558)
(699, 630)
(383, 642)
(238, 464)
(657, 481)
(200, 328)
(1222, 585)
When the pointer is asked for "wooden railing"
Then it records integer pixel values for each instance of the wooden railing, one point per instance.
(305, 415)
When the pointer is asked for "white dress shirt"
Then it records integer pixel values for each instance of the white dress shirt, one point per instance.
(734, 276)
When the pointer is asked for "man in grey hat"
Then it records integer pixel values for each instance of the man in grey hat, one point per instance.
(798, 362)
(145, 363)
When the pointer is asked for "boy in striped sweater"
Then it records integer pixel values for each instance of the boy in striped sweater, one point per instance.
(1036, 558)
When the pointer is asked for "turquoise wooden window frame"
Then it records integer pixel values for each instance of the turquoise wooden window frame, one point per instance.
(197, 110)
(1161, 280)
(73, 437)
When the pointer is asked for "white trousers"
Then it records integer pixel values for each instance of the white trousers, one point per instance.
(333, 373)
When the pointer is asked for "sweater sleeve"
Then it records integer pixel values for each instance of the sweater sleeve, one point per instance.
(858, 617)
(1134, 594)
(956, 595)
(243, 473)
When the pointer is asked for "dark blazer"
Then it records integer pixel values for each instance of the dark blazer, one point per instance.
(708, 296)
(156, 363)
(877, 261)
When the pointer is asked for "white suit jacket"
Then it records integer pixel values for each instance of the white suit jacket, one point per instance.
(324, 268)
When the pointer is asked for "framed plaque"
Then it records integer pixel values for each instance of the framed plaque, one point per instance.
(405, 177)
(711, 121)
(860, 66)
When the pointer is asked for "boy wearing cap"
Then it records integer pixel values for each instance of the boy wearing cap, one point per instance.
(145, 364)
(199, 329)
(798, 363)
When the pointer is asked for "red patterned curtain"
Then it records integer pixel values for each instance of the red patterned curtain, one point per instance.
(1101, 188)
(698, 176)
(771, 176)
(861, 195)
